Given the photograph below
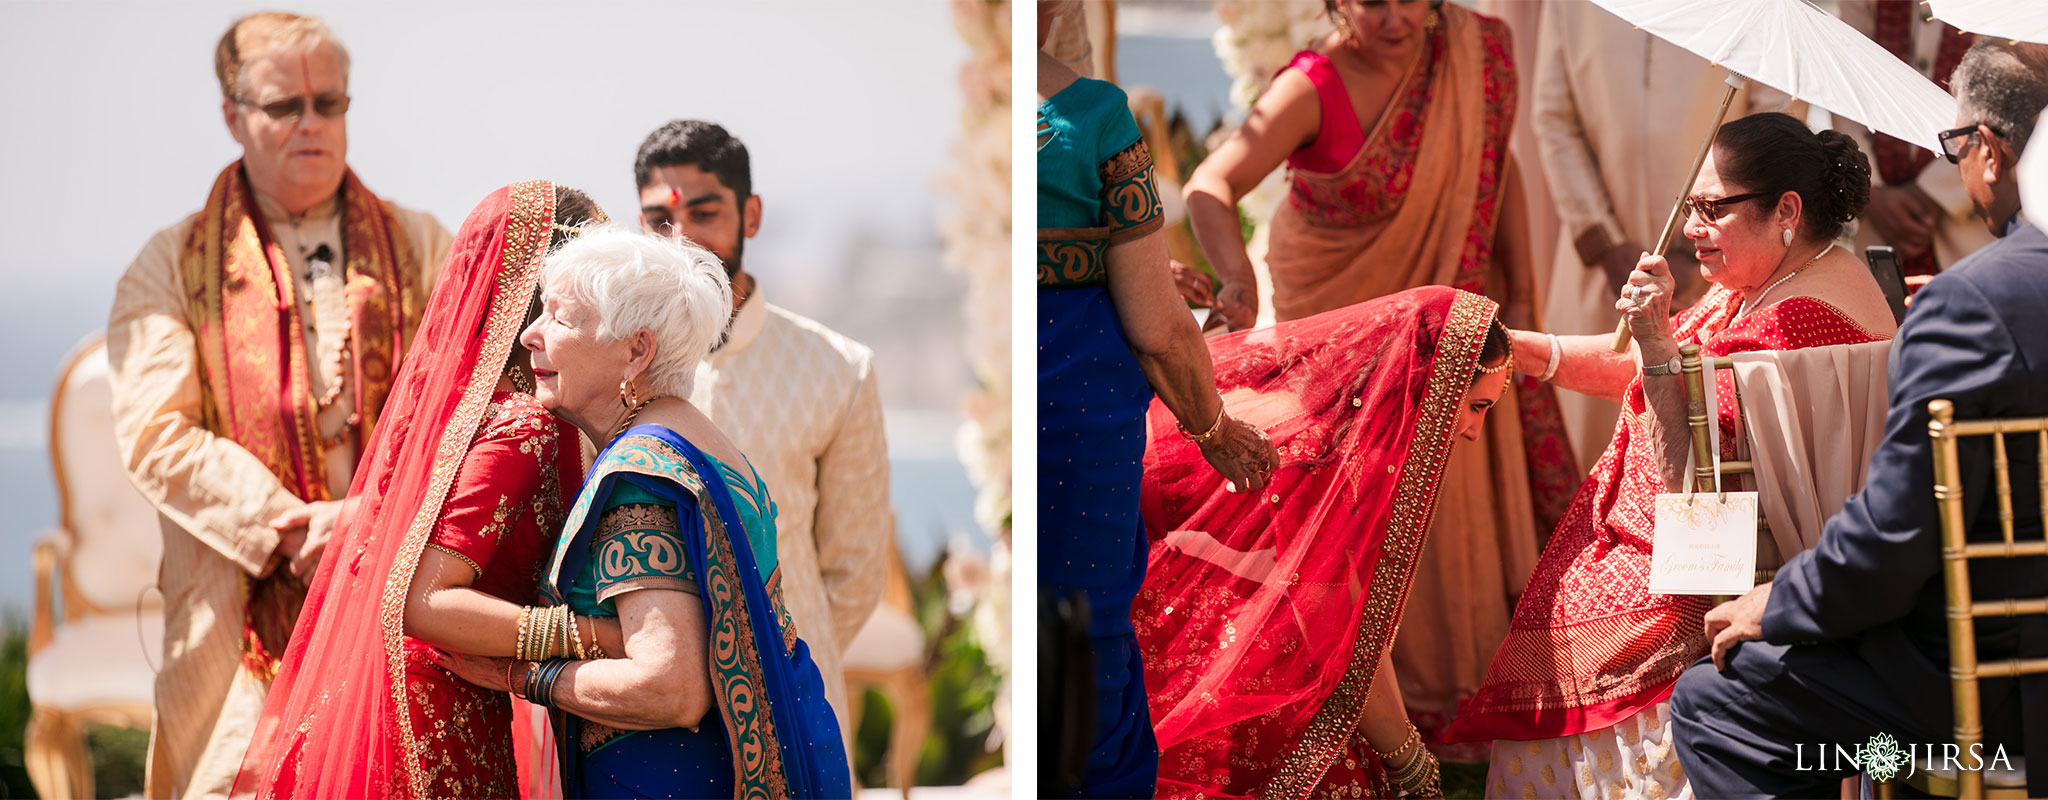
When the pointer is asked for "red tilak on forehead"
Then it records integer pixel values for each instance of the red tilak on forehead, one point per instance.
(675, 198)
(306, 79)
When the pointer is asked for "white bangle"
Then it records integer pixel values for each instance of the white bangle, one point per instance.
(1556, 355)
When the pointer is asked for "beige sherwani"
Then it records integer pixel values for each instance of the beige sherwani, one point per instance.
(1524, 19)
(1958, 231)
(1620, 115)
(800, 400)
(215, 498)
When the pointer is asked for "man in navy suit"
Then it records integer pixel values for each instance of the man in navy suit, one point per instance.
(1851, 639)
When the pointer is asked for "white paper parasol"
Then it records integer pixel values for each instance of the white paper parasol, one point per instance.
(2003, 19)
(1795, 47)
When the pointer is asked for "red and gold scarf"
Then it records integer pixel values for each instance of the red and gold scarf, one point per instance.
(254, 368)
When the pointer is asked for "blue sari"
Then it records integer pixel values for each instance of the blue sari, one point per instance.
(1095, 190)
(774, 735)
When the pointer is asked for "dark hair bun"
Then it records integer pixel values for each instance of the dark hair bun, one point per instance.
(1847, 173)
(1774, 153)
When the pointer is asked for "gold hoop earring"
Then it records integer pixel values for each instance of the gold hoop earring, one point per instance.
(628, 396)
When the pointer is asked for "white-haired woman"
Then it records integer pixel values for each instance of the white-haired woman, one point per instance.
(673, 535)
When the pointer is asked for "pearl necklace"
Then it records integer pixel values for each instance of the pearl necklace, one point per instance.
(1744, 308)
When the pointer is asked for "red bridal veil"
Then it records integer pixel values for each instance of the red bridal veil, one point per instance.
(335, 723)
(1263, 617)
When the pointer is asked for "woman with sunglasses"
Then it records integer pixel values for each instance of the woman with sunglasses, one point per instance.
(1579, 690)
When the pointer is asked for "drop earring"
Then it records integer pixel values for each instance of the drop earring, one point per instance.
(1788, 237)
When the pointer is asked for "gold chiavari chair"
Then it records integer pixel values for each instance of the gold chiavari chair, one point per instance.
(1956, 553)
(1697, 418)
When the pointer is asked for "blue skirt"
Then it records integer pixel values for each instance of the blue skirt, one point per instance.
(1092, 399)
(673, 762)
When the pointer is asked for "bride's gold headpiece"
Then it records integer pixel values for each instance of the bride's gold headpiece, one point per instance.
(1505, 363)
(597, 216)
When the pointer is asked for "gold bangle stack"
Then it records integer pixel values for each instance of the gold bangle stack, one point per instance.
(550, 632)
(545, 633)
(521, 647)
(1419, 775)
(575, 639)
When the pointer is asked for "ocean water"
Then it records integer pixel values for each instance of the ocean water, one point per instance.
(1183, 69)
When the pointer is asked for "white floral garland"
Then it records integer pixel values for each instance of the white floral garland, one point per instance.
(1259, 37)
(1256, 41)
(976, 237)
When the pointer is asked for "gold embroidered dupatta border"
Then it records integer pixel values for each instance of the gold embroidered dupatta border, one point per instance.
(738, 684)
(1407, 527)
(526, 239)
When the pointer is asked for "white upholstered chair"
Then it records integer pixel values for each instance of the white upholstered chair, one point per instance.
(97, 634)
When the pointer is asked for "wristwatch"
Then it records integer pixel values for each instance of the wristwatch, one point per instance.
(1666, 368)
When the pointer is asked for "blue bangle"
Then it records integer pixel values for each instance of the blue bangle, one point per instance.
(549, 673)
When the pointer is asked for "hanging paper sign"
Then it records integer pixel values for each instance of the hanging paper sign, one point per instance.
(1705, 544)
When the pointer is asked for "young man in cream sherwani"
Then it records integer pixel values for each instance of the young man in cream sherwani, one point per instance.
(798, 398)
(243, 376)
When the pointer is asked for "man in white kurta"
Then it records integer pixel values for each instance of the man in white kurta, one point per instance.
(801, 401)
(215, 497)
(1619, 115)
(797, 397)
(1936, 191)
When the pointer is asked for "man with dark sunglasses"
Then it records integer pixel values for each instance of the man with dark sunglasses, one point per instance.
(1850, 640)
(251, 346)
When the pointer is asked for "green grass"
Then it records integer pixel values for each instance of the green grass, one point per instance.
(1464, 781)
(14, 707)
(118, 757)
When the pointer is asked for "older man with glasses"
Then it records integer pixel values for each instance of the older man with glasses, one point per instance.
(1850, 640)
(251, 346)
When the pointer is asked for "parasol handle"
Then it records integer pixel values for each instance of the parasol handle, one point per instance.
(1621, 334)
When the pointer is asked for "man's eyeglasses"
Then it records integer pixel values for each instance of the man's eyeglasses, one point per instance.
(331, 106)
(1717, 208)
(1955, 141)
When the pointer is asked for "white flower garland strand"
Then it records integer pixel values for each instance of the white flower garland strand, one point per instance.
(1257, 39)
(976, 237)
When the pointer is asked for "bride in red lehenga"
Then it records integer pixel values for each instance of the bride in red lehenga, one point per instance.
(1266, 620)
(463, 491)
